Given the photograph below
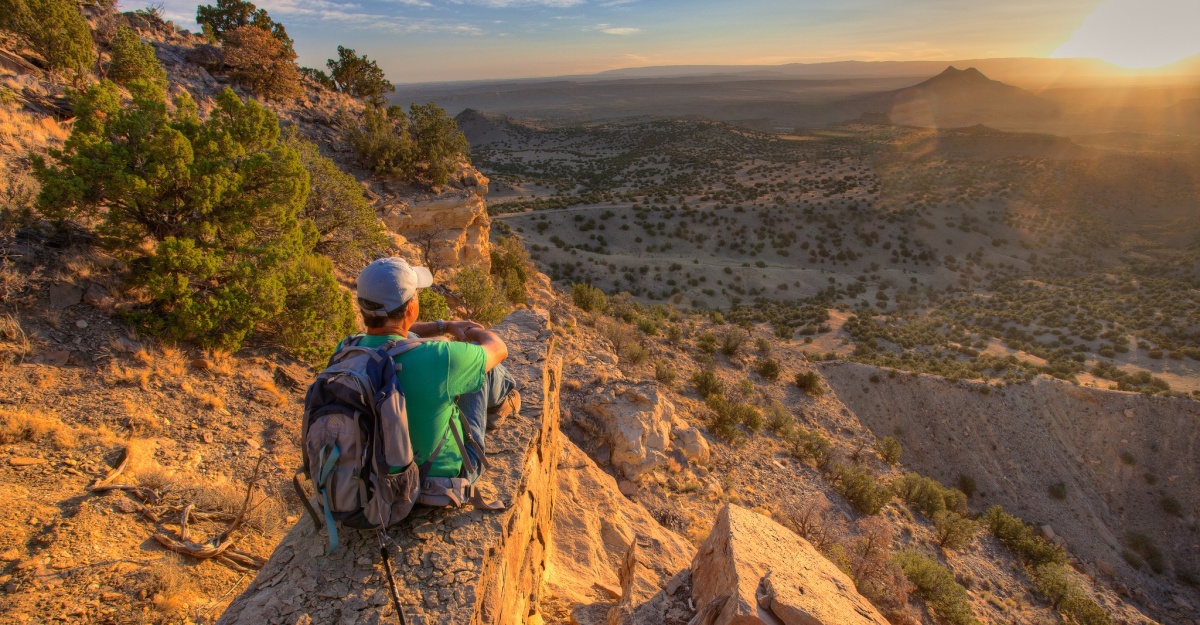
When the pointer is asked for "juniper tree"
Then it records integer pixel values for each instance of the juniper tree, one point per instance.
(358, 76)
(219, 202)
(134, 60)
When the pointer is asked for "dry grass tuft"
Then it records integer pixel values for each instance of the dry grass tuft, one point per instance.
(141, 419)
(172, 363)
(268, 393)
(167, 583)
(144, 357)
(211, 401)
(20, 426)
(673, 465)
(118, 374)
(223, 363)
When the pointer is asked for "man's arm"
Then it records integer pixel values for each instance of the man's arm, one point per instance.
(426, 329)
(493, 347)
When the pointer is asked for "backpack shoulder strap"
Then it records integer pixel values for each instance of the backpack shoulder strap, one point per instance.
(395, 348)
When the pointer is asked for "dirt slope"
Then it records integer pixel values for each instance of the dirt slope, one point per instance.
(1121, 458)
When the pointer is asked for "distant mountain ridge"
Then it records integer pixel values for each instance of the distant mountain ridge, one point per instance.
(959, 98)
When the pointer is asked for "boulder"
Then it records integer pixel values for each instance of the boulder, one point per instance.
(637, 419)
(453, 225)
(692, 444)
(739, 577)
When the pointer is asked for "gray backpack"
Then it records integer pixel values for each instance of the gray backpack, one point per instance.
(357, 451)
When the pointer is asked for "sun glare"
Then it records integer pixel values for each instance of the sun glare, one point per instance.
(1137, 33)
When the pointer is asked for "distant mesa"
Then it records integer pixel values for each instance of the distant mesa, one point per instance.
(959, 97)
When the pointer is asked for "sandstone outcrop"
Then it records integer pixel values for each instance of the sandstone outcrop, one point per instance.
(594, 528)
(453, 565)
(637, 421)
(451, 225)
(753, 570)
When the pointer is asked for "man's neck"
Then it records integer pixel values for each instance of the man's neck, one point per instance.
(390, 329)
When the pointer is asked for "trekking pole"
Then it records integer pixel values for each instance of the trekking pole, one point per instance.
(391, 579)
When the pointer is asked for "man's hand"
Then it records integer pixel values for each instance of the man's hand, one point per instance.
(459, 329)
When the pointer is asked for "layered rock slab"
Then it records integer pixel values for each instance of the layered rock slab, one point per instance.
(453, 565)
(752, 570)
(595, 526)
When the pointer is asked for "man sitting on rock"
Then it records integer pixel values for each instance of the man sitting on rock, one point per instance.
(440, 379)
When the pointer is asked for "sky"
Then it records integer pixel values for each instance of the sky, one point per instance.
(446, 40)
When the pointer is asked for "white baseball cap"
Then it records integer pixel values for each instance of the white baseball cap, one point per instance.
(388, 283)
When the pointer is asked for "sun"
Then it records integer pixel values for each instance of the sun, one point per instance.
(1137, 33)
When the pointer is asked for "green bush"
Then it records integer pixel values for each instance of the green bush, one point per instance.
(349, 232)
(928, 495)
(479, 297)
(889, 449)
(438, 144)
(380, 141)
(748, 416)
(732, 340)
(707, 343)
(1055, 582)
(220, 198)
(1058, 490)
(665, 372)
(229, 15)
(510, 262)
(133, 60)
(1021, 539)
(54, 29)
(1144, 546)
(966, 484)
(589, 298)
(861, 488)
(707, 383)
(1171, 505)
(810, 383)
(954, 530)
(779, 420)
(358, 76)
(935, 584)
(768, 369)
(810, 446)
(723, 420)
(431, 305)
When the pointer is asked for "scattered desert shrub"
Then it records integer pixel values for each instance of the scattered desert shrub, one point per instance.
(133, 60)
(780, 420)
(935, 584)
(810, 446)
(707, 383)
(589, 298)
(810, 383)
(510, 263)
(707, 343)
(665, 372)
(928, 495)
(480, 299)
(966, 484)
(768, 368)
(381, 141)
(1021, 539)
(723, 420)
(1058, 490)
(1147, 550)
(1055, 582)
(889, 449)
(432, 306)
(954, 530)
(866, 492)
(748, 416)
(732, 340)
(871, 564)
(1171, 505)
(262, 63)
(763, 346)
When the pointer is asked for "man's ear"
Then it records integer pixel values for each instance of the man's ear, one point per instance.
(413, 310)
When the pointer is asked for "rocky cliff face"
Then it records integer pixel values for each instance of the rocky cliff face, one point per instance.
(453, 565)
(447, 230)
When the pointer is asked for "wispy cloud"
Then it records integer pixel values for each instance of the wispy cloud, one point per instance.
(609, 29)
(508, 4)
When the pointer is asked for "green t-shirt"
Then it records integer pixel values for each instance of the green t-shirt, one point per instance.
(432, 375)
